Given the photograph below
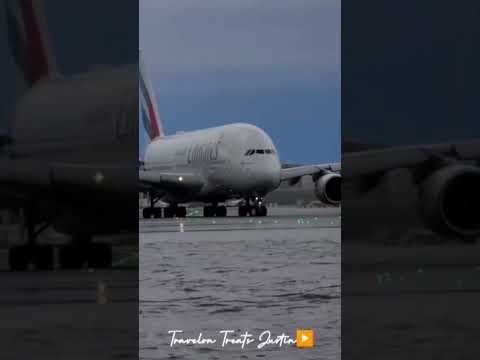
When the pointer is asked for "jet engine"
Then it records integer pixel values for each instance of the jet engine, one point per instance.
(450, 200)
(328, 188)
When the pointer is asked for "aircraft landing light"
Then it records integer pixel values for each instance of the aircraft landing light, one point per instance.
(98, 178)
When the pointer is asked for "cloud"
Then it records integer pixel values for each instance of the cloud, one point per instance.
(191, 36)
(273, 63)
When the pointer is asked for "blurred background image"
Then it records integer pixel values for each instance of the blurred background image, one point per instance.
(410, 155)
(68, 179)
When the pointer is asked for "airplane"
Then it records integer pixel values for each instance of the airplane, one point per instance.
(432, 186)
(214, 165)
(71, 159)
(299, 194)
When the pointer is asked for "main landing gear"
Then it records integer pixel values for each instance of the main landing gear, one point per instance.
(168, 212)
(152, 211)
(252, 207)
(75, 255)
(175, 211)
(214, 210)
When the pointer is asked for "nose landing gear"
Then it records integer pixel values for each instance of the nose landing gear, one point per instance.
(252, 207)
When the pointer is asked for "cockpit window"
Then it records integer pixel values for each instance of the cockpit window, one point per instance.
(259, 151)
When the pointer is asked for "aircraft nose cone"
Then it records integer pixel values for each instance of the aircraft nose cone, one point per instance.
(269, 177)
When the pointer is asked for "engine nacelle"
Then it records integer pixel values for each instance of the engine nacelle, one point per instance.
(328, 188)
(450, 200)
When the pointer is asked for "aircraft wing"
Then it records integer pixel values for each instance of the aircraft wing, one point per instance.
(299, 171)
(371, 162)
(168, 180)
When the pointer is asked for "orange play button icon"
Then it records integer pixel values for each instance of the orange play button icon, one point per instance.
(304, 338)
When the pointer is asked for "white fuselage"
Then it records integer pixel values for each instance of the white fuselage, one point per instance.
(85, 121)
(87, 118)
(236, 160)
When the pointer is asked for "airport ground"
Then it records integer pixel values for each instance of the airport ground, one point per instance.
(419, 295)
(278, 273)
(69, 315)
(77, 314)
(91, 314)
(282, 272)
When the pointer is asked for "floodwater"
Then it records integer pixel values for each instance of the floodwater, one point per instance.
(248, 275)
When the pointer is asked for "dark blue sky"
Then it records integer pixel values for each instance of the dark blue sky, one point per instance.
(410, 71)
(273, 63)
(80, 40)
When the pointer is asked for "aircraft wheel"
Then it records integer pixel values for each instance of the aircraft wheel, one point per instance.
(43, 257)
(208, 211)
(262, 211)
(100, 256)
(242, 211)
(157, 213)
(181, 211)
(71, 256)
(169, 212)
(221, 211)
(19, 257)
(147, 213)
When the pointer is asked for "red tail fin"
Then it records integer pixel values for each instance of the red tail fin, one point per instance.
(29, 40)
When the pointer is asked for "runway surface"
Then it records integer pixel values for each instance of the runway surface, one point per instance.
(69, 315)
(415, 297)
(277, 273)
(82, 314)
